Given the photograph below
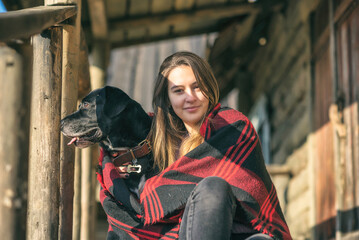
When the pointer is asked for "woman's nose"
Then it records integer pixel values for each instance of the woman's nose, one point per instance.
(190, 96)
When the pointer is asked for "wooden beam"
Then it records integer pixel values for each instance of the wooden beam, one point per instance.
(27, 22)
(15, 94)
(98, 17)
(213, 12)
(275, 169)
(129, 42)
(43, 213)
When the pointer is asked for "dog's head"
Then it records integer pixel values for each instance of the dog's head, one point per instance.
(82, 126)
(107, 115)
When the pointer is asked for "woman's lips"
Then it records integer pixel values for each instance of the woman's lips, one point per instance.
(192, 109)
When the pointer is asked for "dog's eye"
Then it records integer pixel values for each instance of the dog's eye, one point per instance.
(85, 105)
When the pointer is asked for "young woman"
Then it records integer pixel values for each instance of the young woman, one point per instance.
(213, 183)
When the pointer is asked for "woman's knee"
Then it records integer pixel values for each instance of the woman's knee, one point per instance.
(213, 190)
(213, 183)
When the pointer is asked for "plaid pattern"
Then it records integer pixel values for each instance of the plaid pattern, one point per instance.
(231, 151)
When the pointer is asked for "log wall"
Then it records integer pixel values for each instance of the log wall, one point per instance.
(282, 71)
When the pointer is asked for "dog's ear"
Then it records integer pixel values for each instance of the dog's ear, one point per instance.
(111, 102)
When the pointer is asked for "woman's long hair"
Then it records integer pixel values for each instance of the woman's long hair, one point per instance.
(168, 133)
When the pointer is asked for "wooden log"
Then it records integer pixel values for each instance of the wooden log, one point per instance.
(84, 69)
(96, 194)
(43, 213)
(298, 161)
(312, 145)
(100, 55)
(276, 169)
(87, 196)
(298, 184)
(298, 206)
(27, 22)
(15, 94)
(71, 38)
(88, 158)
(70, 73)
(97, 11)
(213, 12)
(77, 197)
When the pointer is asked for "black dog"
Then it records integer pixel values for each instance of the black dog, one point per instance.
(108, 116)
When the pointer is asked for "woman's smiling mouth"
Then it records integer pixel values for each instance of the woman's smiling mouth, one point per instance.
(191, 109)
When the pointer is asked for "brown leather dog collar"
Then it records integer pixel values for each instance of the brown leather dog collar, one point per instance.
(141, 150)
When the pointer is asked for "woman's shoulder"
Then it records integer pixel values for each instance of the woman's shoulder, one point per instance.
(229, 115)
(222, 117)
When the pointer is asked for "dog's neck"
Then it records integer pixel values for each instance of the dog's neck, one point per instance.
(108, 146)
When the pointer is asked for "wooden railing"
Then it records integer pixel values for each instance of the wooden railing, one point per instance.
(28, 22)
(40, 67)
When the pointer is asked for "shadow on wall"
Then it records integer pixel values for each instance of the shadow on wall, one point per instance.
(349, 224)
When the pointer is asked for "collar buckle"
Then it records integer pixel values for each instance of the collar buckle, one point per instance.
(134, 168)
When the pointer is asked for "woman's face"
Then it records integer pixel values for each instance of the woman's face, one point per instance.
(186, 98)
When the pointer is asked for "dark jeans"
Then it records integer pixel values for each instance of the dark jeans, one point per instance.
(210, 211)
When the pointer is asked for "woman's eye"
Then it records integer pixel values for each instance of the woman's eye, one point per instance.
(178, 90)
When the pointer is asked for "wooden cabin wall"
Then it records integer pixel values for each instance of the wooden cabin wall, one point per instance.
(134, 69)
(282, 72)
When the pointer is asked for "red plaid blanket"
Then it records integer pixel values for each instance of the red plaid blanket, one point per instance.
(231, 150)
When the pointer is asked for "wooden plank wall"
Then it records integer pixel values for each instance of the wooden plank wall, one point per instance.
(134, 69)
(348, 86)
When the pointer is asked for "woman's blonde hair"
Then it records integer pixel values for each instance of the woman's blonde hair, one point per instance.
(168, 133)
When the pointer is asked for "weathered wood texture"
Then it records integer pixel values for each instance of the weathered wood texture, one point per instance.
(324, 154)
(178, 23)
(100, 55)
(98, 15)
(84, 85)
(89, 160)
(348, 138)
(43, 213)
(281, 70)
(15, 94)
(27, 22)
(70, 82)
(87, 195)
(76, 226)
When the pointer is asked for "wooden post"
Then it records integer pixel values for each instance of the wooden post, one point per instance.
(83, 89)
(43, 210)
(87, 196)
(89, 156)
(84, 69)
(77, 197)
(99, 61)
(99, 57)
(71, 50)
(15, 94)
